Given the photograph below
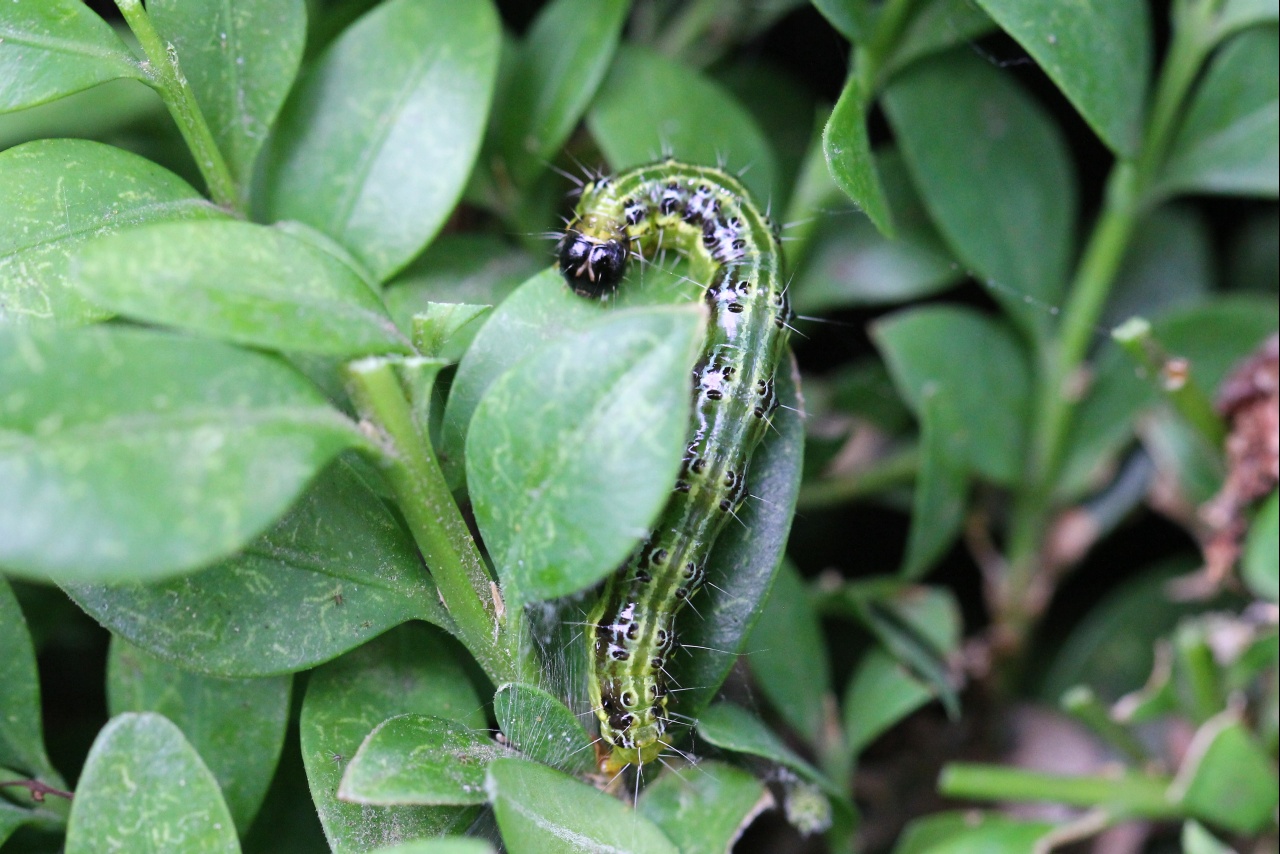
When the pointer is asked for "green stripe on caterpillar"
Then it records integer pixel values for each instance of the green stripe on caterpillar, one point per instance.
(705, 215)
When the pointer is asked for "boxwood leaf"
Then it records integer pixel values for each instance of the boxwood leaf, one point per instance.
(938, 503)
(980, 375)
(1261, 563)
(964, 832)
(995, 173)
(542, 811)
(242, 282)
(1229, 140)
(881, 693)
(61, 193)
(557, 439)
(145, 788)
(411, 669)
(240, 62)
(131, 455)
(936, 26)
(55, 47)
(705, 812)
(447, 845)
(419, 759)
(236, 724)
(404, 93)
(336, 571)
(1227, 777)
(1098, 53)
(564, 57)
(543, 728)
(21, 733)
(700, 121)
(848, 153)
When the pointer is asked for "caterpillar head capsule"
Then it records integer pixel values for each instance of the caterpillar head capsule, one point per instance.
(592, 267)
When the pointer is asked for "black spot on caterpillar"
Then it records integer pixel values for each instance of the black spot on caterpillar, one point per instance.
(705, 215)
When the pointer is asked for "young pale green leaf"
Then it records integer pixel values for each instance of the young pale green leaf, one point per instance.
(994, 172)
(740, 571)
(542, 811)
(706, 811)
(563, 59)
(131, 455)
(543, 728)
(980, 374)
(421, 760)
(881, 693)
(237, 725)
(788, 655)
(146, 789)
(51, 48)
(1227, 777)
(557, 439)
(60, 194)
(1261, 562)
(335, 572)
(240, 62)
(964, 832)
(412, 669)
(448, 845)
(241, 282)
(848, 152)
(1098, 53)
(733, 728)
(375, 145)
(439, 332)
(21, 734)
(700, 122)
(1229, 140)
(942, 484)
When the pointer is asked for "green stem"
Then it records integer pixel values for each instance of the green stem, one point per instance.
(167, 78)
(1130, 794)
(1134, 336)
(434, 519)
(1129, 194)
(891, 21)
(897, 470)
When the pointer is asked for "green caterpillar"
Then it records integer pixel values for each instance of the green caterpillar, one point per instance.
(705, 215)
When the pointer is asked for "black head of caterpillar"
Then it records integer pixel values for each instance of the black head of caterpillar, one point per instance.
(705, 216)
(592, 266)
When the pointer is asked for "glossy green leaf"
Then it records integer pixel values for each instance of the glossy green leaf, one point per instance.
(881, 693)
(542, 811)
(543, 728)
(146, 790)
(419, 759)
(1230, 138)
(741, 568)
(706, 809)
(848, 153)
(980, 374)
(21, 733)
(1227, 777)
(60, 194)
(565, 55)
(1260, 564)
(995, 173)
(130, 455)
(1237, 14)
(942, 485)
(240, 62)
(936, 26)
(241, 282)
(375, 145)
(448, 845)
(1098, 53)
(51, 48)
(964, 832)
(697, 120)
(556, 440)
(237, 725)
(97, 113)
(851, 264)
(409, 670)
(335, 572)
(733, 728)
(788, 655)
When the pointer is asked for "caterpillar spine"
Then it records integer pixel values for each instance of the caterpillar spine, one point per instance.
(707, 216)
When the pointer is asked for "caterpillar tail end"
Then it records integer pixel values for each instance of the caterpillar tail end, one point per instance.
(620, 757)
